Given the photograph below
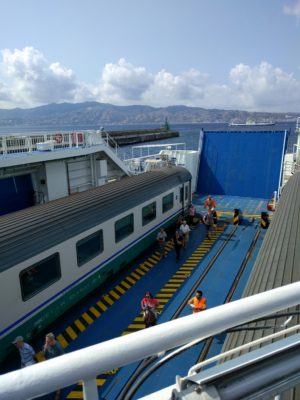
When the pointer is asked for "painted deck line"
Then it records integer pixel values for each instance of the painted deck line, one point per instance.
(161, 295)
(125, 284)
(114, 294)
(135, 275)
(164, 296)
(79, 325)
(140, 271)
(120, 289)
(172, 285)
(95, 312)
(129, 279)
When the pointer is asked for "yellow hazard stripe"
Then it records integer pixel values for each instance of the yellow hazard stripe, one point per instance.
(101, 305)
(79, 325)
(130, 280)
(173, 285)
(108, 299)
(125, 284)
(114, 294)
(140, 271)
(87, 318)
(136, 276)
(148, 264)
(120, 289)
(62, 341)
(71, 333)
(75, 395)
(144, 268)
(95, 312)
(136, 326)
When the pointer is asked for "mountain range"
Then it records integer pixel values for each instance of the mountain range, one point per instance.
(99, 114)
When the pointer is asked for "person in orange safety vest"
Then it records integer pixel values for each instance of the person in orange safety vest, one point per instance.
(198, 303)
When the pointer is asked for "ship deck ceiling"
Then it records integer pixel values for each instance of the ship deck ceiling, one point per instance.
(28, 232)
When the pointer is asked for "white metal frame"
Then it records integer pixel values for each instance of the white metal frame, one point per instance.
(86, 364)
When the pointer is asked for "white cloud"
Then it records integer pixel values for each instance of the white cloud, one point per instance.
(264, 88)
(168, 89)
(122, 82)
(30, 80)
(292, 8)
(33, 81)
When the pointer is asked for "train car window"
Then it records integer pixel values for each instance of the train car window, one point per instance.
(149, 213)
(186, 193)
(124, 227)
(168, 202)
(181, 195)
(40, 276)
(89, 247)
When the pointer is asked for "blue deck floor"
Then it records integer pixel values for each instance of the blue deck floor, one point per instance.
(121, 314)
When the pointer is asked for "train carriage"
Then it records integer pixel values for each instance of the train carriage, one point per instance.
(53, 254)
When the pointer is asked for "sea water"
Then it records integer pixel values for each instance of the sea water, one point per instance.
(188, 133)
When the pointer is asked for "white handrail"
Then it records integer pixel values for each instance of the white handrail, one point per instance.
(196, 368)
(63, 140)
(86, 364)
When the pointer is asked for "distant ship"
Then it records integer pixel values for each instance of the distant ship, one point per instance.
(252, 123)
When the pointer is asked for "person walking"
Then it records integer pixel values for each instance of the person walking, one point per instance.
(179, 222)
(149, 306)
(198, 302)
(52, 348)
(215, 219)
(27, 354)
(191, 214)
(185, 230)
(209, 222)
(178, 243)
(209, 203)
(161, 239)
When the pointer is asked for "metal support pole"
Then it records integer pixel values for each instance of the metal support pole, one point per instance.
(90, 390)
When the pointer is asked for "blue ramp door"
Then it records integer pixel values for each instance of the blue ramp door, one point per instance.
(16, 193)
(246, 164)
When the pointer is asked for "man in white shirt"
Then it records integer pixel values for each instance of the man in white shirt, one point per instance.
(185, 230)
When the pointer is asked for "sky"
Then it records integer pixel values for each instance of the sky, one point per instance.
(223, 54)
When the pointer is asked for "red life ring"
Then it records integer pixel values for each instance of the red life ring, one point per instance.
(58, 138)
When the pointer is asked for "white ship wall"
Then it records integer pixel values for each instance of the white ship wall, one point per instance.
(56, 179)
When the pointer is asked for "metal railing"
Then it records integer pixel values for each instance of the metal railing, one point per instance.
(298, 123)
(15, 144)
(154, 156)
(85, 364)
(285, 331)
(296, 157)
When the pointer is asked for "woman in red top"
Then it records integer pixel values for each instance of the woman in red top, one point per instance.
(149, 305)
(209, 203)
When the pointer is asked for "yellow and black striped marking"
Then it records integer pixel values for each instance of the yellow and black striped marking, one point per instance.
(176, 281)
(164, 296)
(107, 300)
